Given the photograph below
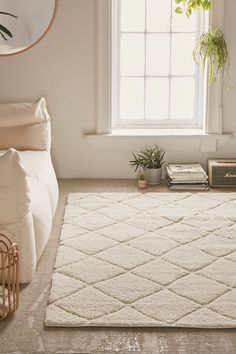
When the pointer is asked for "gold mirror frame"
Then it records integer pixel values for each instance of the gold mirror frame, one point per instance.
(39, 39)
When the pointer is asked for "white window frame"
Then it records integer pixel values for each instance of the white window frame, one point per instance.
(105, 87)
(200, 85)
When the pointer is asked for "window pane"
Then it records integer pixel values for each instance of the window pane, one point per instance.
(182, 98)
(157, 98)
(181, 23)
(182, 62)
(132, 54)
(158, 54)
(158, 15)
(133, 15)
(132, 98)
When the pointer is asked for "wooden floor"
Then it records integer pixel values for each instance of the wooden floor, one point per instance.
(25, 333)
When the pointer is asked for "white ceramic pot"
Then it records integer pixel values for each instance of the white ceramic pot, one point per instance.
(152, 175)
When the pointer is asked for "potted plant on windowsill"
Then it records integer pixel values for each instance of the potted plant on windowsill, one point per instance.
(150, 160)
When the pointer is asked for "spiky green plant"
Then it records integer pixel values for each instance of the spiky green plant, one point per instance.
(151, 157)
(189, 6)
(4, 32)
(212, 50)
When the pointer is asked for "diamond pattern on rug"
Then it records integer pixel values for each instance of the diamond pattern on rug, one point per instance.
(90, 203)
(206, 316)
(153, 243)
(229, 232)
(148, 222)
(125, 256)
(219, 304)
(207, 223)
(210, 289)
(124, 317)
(92, 221)
(118, 212)
(121, 232)
(152, 259)
(189, 258)
(196, 203)
(165, 272)
(84, 270)
(143, 202)
(226, 210)
(73, 211)
(231, 257)
(215, 245)
(122, 287)
(64, 286)
(90, 243)
(169, 198)
(63, 259)
(75, 304)
(71, 231)
(222, 271)
(165, 306)
(182, 233)
(171, 211)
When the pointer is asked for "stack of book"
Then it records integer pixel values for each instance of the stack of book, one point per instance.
(186, 176)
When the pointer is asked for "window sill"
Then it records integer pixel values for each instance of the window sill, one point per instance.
(157, 132)
(170, 139)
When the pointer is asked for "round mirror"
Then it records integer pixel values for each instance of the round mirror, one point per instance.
(23, 23)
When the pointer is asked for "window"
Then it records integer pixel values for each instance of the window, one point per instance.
(155, 81)
(208, 110)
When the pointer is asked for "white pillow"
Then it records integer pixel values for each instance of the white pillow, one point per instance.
(15, 211)
(25, 126)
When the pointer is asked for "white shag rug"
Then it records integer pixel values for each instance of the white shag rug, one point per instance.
(154, 259)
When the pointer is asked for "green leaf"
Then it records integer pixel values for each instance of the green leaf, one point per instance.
(5, 30)
(189, 12)
(189, 6)
(178, 10)
(7, 13)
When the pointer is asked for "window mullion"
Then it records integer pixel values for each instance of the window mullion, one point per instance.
(171, 15)
(145, 60)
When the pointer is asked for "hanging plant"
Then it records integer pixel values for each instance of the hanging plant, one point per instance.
(189, 6)
(4, 32)
(212, 49)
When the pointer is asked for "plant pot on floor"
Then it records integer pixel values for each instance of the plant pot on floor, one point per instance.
(152, 175)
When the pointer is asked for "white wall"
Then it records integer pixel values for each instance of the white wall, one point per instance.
(62, 67)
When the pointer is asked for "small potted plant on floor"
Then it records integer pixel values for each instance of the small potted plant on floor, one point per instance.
(150, 160)
(142, 183)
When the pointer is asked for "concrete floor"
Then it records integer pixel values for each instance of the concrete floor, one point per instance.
(25, 332)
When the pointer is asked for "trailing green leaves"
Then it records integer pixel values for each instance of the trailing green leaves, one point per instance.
(212, 50)
(189, 6)
(4, 32)
(148, 158)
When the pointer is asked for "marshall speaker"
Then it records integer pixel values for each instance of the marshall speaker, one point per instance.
(222, 172)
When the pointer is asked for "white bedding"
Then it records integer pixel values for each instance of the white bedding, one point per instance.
(41, 182)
